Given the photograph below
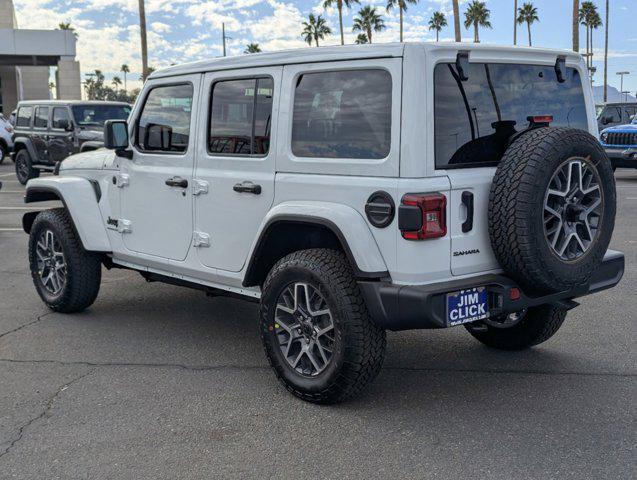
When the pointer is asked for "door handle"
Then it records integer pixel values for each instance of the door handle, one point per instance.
(247, 187)
(467, 201)
(177, 182)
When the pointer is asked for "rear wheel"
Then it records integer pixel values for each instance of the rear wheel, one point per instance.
(4, 152)
(519, 330)
(315, 328)
(23, 167)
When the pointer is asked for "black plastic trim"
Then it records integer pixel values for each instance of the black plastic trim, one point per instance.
(406, 307)
(380, 209)
(467, 201)
(409, 218)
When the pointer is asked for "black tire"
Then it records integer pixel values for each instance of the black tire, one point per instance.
(537, 326)
(83, 270)
(4, 152)
(358, 344)
(516, 208)
(23, 167)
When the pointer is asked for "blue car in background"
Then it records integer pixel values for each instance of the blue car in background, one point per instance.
(620, 143)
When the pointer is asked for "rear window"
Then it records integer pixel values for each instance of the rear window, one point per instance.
(474, 119)
(24, 116)
(342, 114)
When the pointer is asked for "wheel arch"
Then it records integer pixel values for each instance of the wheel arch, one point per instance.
(24, 143)
(284, 233)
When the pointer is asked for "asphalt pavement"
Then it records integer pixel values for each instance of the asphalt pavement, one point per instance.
(161, 382)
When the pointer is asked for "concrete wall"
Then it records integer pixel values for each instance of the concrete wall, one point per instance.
(68, 80)
(35, 83)
(7, 14)
(8, 80)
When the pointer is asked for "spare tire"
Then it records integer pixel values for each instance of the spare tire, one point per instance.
(552, 208)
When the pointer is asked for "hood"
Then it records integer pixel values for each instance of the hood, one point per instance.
(91, 160)
(91, 133)
(629, 128)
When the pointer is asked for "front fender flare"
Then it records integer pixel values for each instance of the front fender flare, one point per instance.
(345, 222)
(81, 201)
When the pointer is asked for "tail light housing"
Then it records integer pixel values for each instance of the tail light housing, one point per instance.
(422, 216)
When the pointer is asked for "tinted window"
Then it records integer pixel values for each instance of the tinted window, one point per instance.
(612, 115)
(164, 124)
(474, 119)
(60, 114)
(41, 117)
(24, 116)
(344, 114)
(95, 115)
(240, 119)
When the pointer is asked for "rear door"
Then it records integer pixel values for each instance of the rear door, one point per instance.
(234, 177)
(40, 135)
(474, 122)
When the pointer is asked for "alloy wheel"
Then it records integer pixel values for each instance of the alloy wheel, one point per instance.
(51, 263)
(304, 328)
(573, 209)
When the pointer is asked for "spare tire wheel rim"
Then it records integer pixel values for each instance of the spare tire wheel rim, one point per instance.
(573, 208)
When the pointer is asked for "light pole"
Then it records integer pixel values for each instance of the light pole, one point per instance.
(621, 82)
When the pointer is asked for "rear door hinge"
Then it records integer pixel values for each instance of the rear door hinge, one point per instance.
(121, 180)
(200, 239)
(199, 186)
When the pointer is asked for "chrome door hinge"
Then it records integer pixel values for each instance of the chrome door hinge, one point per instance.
(124, 226)
(200, 239)
(199, 186)
(121, 179)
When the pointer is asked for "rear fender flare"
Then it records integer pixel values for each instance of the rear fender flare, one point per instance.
(25, 142)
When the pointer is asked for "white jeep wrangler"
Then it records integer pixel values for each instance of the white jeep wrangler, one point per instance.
(350, 190)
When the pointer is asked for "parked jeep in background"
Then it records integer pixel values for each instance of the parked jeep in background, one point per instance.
(6, 138)
(611, 114)
(350, 190)
(46, 132)
(620, 144)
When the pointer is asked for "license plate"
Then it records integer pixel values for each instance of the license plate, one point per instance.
(467, 306)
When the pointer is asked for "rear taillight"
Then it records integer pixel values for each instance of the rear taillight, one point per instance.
(422, 216)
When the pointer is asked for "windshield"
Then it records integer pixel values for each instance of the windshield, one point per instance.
(96, 115)
(475, 118)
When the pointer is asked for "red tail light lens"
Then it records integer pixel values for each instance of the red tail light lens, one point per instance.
(433, 212)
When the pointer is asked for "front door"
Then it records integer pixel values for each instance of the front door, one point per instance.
(60, 134)
(235, 164)
(156, 204)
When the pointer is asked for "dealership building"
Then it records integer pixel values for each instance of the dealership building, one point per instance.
(26, 57)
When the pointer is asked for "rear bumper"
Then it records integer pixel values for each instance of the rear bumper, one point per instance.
(407, 307)
(622, 157)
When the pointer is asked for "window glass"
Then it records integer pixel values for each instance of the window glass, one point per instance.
(41, 117)
(60, 113)
(24, 116)
(164, 124)
(94, 115)
(628, 113)
(613, 115)
(240, 120)
(475, 119)
(343, 114)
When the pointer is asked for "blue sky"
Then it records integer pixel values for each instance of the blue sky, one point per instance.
(187, 30)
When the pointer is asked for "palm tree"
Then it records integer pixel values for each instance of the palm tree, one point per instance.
(589, 17)
(314, 29)
(252, 48)
(339, 7)
(116, 83)
(402, 7)
(515, 22)
(67, 26)
(477, 14)
(606, 55)
(575, 20)
(594, 24)
(361, 38)
(124, 69)
(142, 32)
(456, 20)
(527, 13)
(436, 22)
(368, 21)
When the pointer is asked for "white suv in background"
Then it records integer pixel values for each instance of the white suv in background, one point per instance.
(349, 190)
(6, 138)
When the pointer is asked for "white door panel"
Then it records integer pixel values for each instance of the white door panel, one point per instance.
(228, 217)
(470, 250)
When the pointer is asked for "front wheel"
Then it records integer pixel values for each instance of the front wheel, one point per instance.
(519, 330)
(66, 276)
(315, 328)
(4, 152)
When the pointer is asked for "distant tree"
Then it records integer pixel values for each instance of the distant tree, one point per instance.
(590, 18)
(368, 21)
(361, 38)
(527, 13)
(477, 14)
(116, 83)
(339, 6)
(252, 48)
(124, 69)
(436, 22)
(315, 29)
(67, 26)
(575, 20)
(402, 7)
(456, 20)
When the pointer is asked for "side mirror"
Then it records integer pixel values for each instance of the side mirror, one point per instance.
(158, 137)
(116, 134)
(69, 126)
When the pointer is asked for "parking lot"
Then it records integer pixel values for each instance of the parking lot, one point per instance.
(156, 381)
